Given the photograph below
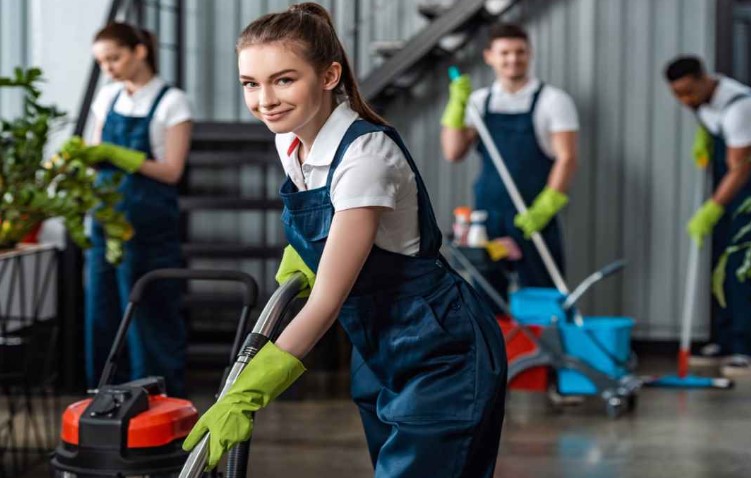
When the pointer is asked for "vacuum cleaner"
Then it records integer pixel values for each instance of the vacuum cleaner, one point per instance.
(134, 429)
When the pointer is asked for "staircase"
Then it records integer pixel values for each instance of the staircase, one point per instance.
(230, 211)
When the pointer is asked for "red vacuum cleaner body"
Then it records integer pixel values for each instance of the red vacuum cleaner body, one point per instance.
(132, 429)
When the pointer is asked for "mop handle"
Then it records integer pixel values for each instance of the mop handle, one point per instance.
(692, 283)
(689, 297)
(508, 181)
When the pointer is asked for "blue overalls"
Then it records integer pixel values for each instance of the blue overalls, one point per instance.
(529, 166)
(428, 360)
(156, 338)
(732, 325)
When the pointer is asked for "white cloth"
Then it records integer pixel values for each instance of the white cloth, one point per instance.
(555, 111)
(373, 172)
(173, 109)
(734, 122)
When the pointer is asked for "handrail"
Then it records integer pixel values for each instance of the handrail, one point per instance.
(424, 43)
(88, 96)
(262, 333)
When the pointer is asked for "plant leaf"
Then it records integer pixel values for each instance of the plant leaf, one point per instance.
(718, 279)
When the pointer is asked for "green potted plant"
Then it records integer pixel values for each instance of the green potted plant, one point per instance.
(740, 243)
(34, 188)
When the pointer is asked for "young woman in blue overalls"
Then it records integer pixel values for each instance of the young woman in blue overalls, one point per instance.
(428, 365)
(142, 129)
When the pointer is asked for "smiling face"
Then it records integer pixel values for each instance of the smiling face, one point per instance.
(509, 58)
(120, 62)
(284, 90)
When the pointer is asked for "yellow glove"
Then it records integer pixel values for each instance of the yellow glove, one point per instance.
(702, 148)
(704, 220)
(230, 420)
(460, 90)
(291, 263)
(543, 209)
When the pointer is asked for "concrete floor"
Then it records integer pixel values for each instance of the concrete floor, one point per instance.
(673, 433)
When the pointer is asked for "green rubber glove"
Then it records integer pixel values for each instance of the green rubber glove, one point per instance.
(546, 205)
(291, 263)
(129, 160)
(702, 148)
(230, 420)
(704, 220)
(459, 91)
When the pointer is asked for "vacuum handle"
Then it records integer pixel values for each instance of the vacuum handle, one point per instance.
(250, 289)
(270, 316)
(250, 295)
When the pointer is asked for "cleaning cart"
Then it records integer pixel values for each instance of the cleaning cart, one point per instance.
(134, 429)
(545, 332)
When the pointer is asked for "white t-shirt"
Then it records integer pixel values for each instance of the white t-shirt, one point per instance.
(555, 111)
(734, 121)
(373, 172)
(173, 109)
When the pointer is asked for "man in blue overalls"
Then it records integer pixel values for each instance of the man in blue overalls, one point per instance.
(723, 109)
(534, 127)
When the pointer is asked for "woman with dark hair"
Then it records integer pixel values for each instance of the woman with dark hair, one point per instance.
(143, 128)
(428, 360)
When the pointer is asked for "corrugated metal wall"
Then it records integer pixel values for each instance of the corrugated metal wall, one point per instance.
(14, 50)
(632, 194)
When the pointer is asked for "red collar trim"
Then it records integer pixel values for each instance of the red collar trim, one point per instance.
(293, 146)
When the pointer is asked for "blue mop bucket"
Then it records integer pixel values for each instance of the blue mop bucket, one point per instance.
(537, 306)
(602, 342)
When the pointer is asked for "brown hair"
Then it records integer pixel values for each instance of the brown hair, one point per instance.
(506, 30)
(130, 36)
(310, 26)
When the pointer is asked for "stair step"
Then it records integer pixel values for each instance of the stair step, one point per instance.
(231, 251)
(223, 159)
(223, 132)
(224, 300)
(209, 353)
(386, 48)
(432, 10)
(229, 203)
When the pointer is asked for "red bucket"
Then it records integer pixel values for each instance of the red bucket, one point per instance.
(518, 344)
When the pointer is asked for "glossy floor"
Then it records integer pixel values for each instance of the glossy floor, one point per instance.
(673, 433)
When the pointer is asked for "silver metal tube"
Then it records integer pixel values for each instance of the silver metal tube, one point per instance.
(267, 321)
(692, 272)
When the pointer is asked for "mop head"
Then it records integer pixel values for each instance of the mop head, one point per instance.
(688, 381)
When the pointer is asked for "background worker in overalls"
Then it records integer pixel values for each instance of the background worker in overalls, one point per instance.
(143, 129)
(723, 109)
(534, 127)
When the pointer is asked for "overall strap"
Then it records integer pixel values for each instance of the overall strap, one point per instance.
(486, 109)
(114, 101)
(536, 97)
(158, 99)
(356, 129)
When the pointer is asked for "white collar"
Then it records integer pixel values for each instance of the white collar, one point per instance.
(528, 89)
(328, 138)
(723, 93)
(147, 91)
